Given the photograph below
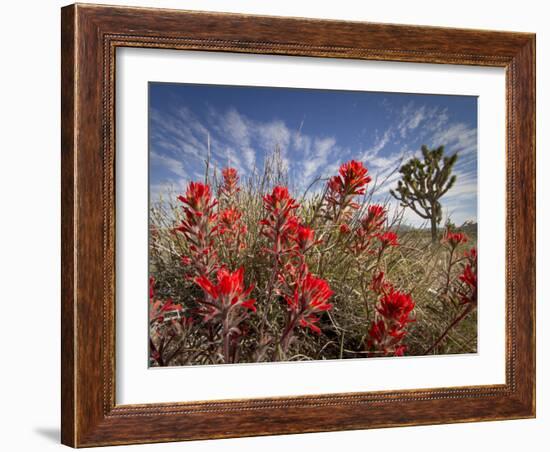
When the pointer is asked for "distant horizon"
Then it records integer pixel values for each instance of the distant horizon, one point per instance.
(315, 130)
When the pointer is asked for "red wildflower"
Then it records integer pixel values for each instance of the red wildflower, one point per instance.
(466, 286)
(377, 332)
(351, 181)
(388, 238)
(305, 238)
(344, 229)
(309, 298)
(162, 307)
(400, 350)
(376, 215)
(396, 306)
(454, 238)
(232, 228)
(151, 287)
(279, 202)
(368, 228)
(229, 217)
(199, 227)
(379, 285)
(387, 332)
(354, 177)
(280, 225)
(471, 255)
(468, 293)
(229, 188)
(468, 276)
(228, 294)
(197, 197)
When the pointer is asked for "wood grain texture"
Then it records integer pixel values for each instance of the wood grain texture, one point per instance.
(90, 36)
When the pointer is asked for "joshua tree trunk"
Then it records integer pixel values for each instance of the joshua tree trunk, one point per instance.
(433, 222)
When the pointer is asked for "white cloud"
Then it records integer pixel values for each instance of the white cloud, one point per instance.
(456, 137)
(273, 134)
(411, 117)
(322, 148)
(173, 165)
(379, 144)
(180, 133)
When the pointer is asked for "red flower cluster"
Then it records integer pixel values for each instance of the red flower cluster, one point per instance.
(369, 227)
(373, 221)
(232, 229)
(279, 203)
(226, 300)
(341, 190)
(467, 290)
(394, 314)
(228, 294)
(353, 176)
(229, 187)
(309, 298)
(224, 303)
(396, 306)
(281, 224)
(388, 238)
(305, 294)
(454, 238)
(379, 285)
(199, 227)
(304, 238)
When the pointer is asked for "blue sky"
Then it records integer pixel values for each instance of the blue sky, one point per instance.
(316, 130)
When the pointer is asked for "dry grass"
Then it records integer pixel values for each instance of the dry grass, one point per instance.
(415, 266)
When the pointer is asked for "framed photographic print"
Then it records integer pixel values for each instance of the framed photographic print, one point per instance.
(281, 225)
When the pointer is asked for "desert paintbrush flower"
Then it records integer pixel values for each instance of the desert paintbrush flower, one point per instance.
(199, 227)
(387, 332)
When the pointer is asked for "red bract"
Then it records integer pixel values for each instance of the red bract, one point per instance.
(341, 190)
(471, 255)
(232, 229)
(369, 227)
(454, 238)
(377, 331)
(309, 298)
(229, 187)
(379, 285)
(199, 227)
(400, 350)
(388, 238)
(305, 238)
(394, 310)
(280, 224)
(354, 177)
(396, 306)
(376, 215)
(151, 287)
(467, 291)
(279, 202)
(226, 303)
(344, 229)
(228, 294)
(197, 197)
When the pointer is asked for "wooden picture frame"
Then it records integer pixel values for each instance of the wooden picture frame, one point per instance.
(90, 36)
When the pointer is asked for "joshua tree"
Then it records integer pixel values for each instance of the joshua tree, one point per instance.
(424, 182)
